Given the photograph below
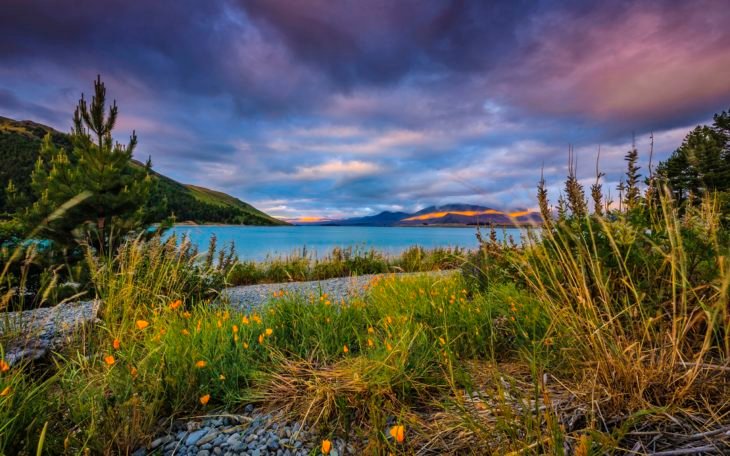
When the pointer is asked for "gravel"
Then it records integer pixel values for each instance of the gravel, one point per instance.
(31, 334)
(253, 433)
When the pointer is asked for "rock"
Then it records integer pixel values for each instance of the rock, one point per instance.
(159, 441)
(203, 453)
(209, 437)
(195, 436)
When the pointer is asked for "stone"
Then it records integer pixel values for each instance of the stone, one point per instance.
(195, 436)
(209, 437)
(159, 442)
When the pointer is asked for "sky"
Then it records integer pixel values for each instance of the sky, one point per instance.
(314, 108)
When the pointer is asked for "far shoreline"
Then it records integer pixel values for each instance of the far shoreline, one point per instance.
(497, 226)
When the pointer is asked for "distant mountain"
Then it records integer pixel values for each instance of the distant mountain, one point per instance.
(383, 219)
(446, 215)
(19, 145)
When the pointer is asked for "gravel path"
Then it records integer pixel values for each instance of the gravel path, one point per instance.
(250, 296)
(30, 334)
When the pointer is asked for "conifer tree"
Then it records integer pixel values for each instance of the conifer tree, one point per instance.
(110, 194)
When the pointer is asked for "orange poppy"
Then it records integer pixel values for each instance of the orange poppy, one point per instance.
(142, 324)
(4, 366)
(175, 304)
(109, 360)
(269, 331)
(345, 349)
(204, 399)
(200, 364)
(5, 392)
(398, 433)
(326, 446)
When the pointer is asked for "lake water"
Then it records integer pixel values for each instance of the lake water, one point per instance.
(258, 242)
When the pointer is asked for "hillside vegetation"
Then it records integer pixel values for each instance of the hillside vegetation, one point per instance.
(20, 142)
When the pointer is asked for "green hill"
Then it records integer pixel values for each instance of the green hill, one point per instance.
(19, 145)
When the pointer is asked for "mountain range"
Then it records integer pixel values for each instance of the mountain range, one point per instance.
(445, 215)
(19, 146)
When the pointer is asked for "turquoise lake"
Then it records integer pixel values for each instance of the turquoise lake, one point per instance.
(258, 242)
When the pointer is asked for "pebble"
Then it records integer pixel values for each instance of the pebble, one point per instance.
(261, 434)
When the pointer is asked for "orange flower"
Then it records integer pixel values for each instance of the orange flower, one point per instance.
(116, 344)
(257, 319)
(201, 364)
(443, 342)
(221, 377)
(187, 314)
(204, 399)
(327, 303)
(5, 392)
(109, 360)
(133, 371)
(371, 330)
(370, 343)
(220, 325)
(245, 320)
(197, 327)
(175, 304)
(261, 338)
(245, 345)
(269, 331)
(185, 332)
(388, 346)
(142, 324)
(345, 349)
(326, 446)
(235, 328)
(4, 366)
(398, 433)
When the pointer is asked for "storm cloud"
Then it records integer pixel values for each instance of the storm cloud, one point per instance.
(319, 108)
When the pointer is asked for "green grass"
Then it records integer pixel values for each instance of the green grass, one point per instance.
(302, 266)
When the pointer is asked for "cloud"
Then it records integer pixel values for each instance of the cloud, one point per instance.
(355, 107)
(336, 169)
